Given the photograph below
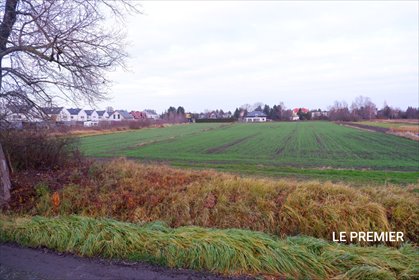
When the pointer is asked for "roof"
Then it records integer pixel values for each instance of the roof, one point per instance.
(52, 110)
(19, 109)
(89, 112)
(101, 113)
(304, 110)
(74, 111)
(138, 114)
(124, 114)
(150, 112)
(256, 114)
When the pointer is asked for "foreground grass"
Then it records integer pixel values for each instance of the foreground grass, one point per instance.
(128, 191)
(225, 251)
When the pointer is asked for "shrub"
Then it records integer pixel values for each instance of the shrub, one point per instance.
(36, 149)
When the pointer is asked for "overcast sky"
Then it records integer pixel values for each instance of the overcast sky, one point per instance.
(219, 54)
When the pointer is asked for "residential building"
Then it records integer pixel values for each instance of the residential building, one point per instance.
(77, 115)
(57, 114)
(92, 115)
(120, 115)
(256, 116)
(151, 114)
(102, 115)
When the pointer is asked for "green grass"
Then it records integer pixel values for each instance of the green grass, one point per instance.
(302, 149)
(229, 251)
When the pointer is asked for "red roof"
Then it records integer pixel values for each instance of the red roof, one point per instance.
(138, 115)
(304, 110)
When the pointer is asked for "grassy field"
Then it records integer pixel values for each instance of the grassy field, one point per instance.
(321, 150)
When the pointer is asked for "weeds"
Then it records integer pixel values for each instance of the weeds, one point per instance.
(229, 251)
(128, 191)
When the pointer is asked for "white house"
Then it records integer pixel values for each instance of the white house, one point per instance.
(255, 116)
(120, 115)
(92, 115)
(102, 115)
(22, 113)
(151, 114)
(77, 115)
(57, 114)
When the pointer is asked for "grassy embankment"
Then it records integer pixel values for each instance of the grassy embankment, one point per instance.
(225, 251)
(128, 191)
(308, 150)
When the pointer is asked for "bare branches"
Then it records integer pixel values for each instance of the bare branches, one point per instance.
(51, 48)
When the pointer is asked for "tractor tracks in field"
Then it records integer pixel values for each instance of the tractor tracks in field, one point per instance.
(287, 139)
(222, 148)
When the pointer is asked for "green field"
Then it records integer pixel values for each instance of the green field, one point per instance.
(302, 149)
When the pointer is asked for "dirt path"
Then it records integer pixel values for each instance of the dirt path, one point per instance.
(18, 263)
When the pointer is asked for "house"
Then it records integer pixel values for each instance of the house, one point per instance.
(77, 115)
(120, 115)
(22, 113)
(318, 114)
(255, 116)
(57, 114)
(137, 115)
(92, 115)
(102, 115)
(151, 114)
(295, 116)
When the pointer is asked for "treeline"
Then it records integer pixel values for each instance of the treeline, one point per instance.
(276, 112)
(362, 108)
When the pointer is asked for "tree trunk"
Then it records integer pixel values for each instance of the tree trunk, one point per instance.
(5, 183)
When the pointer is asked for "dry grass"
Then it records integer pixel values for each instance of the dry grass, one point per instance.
(128, 191)
(225, 251)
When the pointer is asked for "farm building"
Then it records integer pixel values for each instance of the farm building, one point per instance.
(255, 116)
(57, 114)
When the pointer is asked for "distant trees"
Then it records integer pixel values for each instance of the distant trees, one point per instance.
(363, 108)
(174, 115)
(339, 111)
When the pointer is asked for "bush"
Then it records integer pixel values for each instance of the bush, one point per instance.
(36, 149)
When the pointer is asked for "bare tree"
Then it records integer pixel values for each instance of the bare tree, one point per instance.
(52, 49)
(363, 108)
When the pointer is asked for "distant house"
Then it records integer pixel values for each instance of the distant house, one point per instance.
(151, 114)
(120, 115)
(77, 115)
(57, 114)
(102, 115)
(255, 116)
(22, 113)
(137, 115)
(92, 115)
(318, 114)
(295, 116)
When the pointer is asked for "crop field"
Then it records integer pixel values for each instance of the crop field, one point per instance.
(396, 125)
(307, 149)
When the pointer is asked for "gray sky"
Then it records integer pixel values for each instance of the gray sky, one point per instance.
(219, 54)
